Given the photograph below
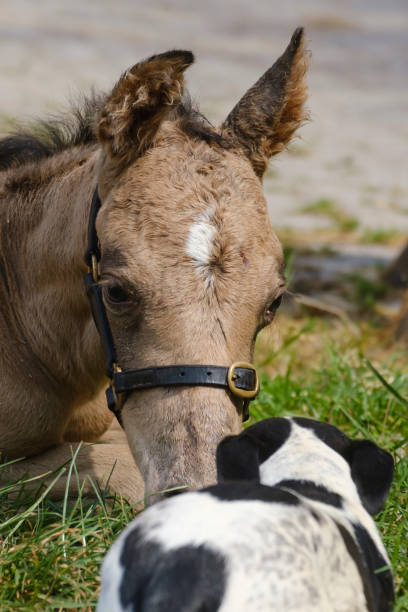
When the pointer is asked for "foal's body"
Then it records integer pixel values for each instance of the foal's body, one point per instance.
(52, 387)
(190, 269)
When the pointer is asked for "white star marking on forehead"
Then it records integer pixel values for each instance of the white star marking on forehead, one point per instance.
(200, 244)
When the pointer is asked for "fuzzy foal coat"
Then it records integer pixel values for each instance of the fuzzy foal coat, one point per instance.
(191, 270)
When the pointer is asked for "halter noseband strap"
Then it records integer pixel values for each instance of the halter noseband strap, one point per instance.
(241, 379)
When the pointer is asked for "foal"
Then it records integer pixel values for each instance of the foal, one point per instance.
(190, 269)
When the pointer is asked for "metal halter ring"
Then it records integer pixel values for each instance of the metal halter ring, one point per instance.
(95, 268)
(232, 377)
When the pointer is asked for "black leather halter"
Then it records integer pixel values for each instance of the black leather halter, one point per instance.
(241, 379)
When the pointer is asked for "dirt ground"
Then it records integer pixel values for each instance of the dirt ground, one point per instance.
(345, 182)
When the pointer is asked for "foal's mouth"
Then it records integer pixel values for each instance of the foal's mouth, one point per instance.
(153, 498)
(176, 491)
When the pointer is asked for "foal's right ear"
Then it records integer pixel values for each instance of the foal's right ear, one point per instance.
(133, 111)
(264, 120)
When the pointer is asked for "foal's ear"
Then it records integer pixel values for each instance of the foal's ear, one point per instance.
(264, 120)
(133, 111)
(372, 470)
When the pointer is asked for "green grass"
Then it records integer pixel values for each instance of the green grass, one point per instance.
(379, 236)
(366, 292)
(328, 208)
(51, 553)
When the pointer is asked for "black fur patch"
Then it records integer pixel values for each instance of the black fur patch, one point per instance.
(311, 490)
(377, 581)
(372, 469)
(357, 556)
(188, 579)
(244, 491)
(381, 580)
(239, 457)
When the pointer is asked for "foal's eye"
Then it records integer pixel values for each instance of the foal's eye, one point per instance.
(117, 295)
(273, 307)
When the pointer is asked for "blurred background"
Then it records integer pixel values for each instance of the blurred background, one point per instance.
(338, 198)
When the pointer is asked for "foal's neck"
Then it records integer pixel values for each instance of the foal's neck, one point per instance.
(49, 226)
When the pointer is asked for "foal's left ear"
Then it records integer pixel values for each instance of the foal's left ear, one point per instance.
(264, 120)
(372, 470)
(140, 100)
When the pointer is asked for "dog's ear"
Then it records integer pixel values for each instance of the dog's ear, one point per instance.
(239, 457)
(372, 470)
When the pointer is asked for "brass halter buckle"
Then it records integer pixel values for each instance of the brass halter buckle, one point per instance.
(232, 377)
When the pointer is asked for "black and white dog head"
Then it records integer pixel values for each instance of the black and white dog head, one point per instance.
(288, 528)
(278, 450)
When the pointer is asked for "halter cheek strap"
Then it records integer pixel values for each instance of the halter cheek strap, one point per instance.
(241, 379)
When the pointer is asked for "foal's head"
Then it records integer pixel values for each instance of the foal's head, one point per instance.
(190, 265)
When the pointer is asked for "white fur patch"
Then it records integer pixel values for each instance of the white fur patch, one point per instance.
(200, 244)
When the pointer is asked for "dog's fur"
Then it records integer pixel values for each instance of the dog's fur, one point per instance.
(296, 535)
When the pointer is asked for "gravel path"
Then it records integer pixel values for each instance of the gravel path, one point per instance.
(354, 150)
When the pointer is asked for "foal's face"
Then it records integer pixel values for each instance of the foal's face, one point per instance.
(191, 272)
(190, 265)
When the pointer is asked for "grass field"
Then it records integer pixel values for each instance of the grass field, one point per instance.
(51, 554)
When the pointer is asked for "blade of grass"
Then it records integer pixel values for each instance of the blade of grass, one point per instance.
(306, 328)
(29, 510)
(386, 384)
(23, 481)
(66, 493)
(7, 463)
